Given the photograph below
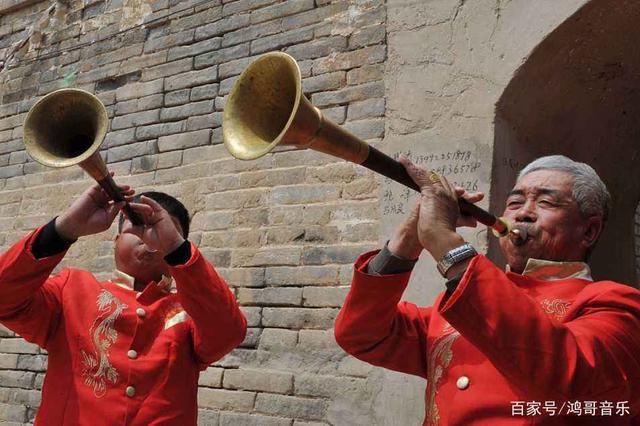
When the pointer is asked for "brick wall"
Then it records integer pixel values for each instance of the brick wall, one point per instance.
(283, 230)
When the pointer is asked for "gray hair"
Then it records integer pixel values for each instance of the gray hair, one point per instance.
(588, 189)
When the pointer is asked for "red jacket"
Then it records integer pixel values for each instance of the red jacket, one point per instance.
(117, 357)
(501, 341)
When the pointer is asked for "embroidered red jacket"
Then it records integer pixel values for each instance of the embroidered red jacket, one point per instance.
(117, 357)
(502, 342)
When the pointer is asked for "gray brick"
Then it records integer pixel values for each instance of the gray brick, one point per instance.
(366, 109)
(277, 339)
(184, 140)
(324, 296)
(204, 121)
(304, 194)
(8, 361)
(32, 362)
(317, 339)
(297, 318)
(223, 26)
(253, 315)
(16, 379)
(208, 91)
(277, 41)
(279, 296)
(259, 380)
(328, 386)
(211, 377)
(291, 406)
(135, 119)
(177, 97)
(167, 69)
(222, 55)
(349, 94)
(9, 412)
(144, 62)
(252, 32)
(126, 152)
(319, 48)
(194, 49)
(367, 36)
(220, 399)
(318, 255)
(239, 6)
(139, 90)
(239, 419)
(185, 111)
(154, 131)
(168, 41)
(324, 82)
(192, 78)
(279, 10)
(366, 129)
(208, 417)
(352, 59)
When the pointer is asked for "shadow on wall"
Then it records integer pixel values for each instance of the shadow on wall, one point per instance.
(578, 94)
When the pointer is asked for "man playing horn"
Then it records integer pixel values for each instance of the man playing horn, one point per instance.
(126, 351)
(539, 344)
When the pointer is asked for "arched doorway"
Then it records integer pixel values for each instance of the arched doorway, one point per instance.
(578, 94)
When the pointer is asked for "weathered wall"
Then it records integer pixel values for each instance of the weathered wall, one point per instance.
(418, 76)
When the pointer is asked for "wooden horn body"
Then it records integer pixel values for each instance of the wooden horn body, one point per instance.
(66, 128)
(266, 108)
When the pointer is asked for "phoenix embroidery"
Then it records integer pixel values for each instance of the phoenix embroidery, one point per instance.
(439, 358)
(97, 369)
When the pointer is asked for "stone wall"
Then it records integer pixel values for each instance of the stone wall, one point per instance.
(418, 76)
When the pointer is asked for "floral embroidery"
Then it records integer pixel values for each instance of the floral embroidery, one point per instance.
(440, 357)
(97, 369)
(557, 308)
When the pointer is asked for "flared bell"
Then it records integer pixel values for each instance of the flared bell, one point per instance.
(65, 128)
(266, 108)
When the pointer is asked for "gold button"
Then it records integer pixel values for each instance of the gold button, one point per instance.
(132, 354)
(463, 382)
(140, 312)
(131, 391)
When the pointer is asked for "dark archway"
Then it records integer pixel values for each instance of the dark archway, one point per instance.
(578, 94)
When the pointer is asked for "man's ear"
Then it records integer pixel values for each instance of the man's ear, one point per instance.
(592, 230)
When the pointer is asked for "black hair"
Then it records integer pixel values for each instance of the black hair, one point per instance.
(174, 207)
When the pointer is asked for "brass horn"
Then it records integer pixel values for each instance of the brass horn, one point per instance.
(67, 127)
(266, 108)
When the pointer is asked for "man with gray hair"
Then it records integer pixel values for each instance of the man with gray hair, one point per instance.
(538, 344)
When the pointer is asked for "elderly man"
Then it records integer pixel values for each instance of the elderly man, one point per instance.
(539, 344)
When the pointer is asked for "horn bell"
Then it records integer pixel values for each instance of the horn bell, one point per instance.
(65, 128)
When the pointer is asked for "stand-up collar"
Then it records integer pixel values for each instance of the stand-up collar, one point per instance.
(548, 270)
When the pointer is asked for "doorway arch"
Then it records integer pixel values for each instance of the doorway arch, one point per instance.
(578, 94)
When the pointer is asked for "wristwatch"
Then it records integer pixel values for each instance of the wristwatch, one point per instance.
(455, 256)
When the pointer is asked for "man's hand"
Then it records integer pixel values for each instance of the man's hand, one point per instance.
(91, 213)
(159, 232)
(438, 213)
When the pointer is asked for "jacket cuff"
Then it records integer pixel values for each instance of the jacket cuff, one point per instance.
(48, 242)
(179, 256)
(387, 263)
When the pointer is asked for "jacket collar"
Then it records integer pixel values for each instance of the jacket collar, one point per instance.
(548, 270)
(127, 281)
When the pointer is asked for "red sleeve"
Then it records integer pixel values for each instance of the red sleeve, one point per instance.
(30, 300)
(217, 324)
(374, 327)
(595, 355)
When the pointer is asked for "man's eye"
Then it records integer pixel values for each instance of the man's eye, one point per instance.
(514, 203)
(547, 203)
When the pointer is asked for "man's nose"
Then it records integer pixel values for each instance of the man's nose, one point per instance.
(526, 213)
